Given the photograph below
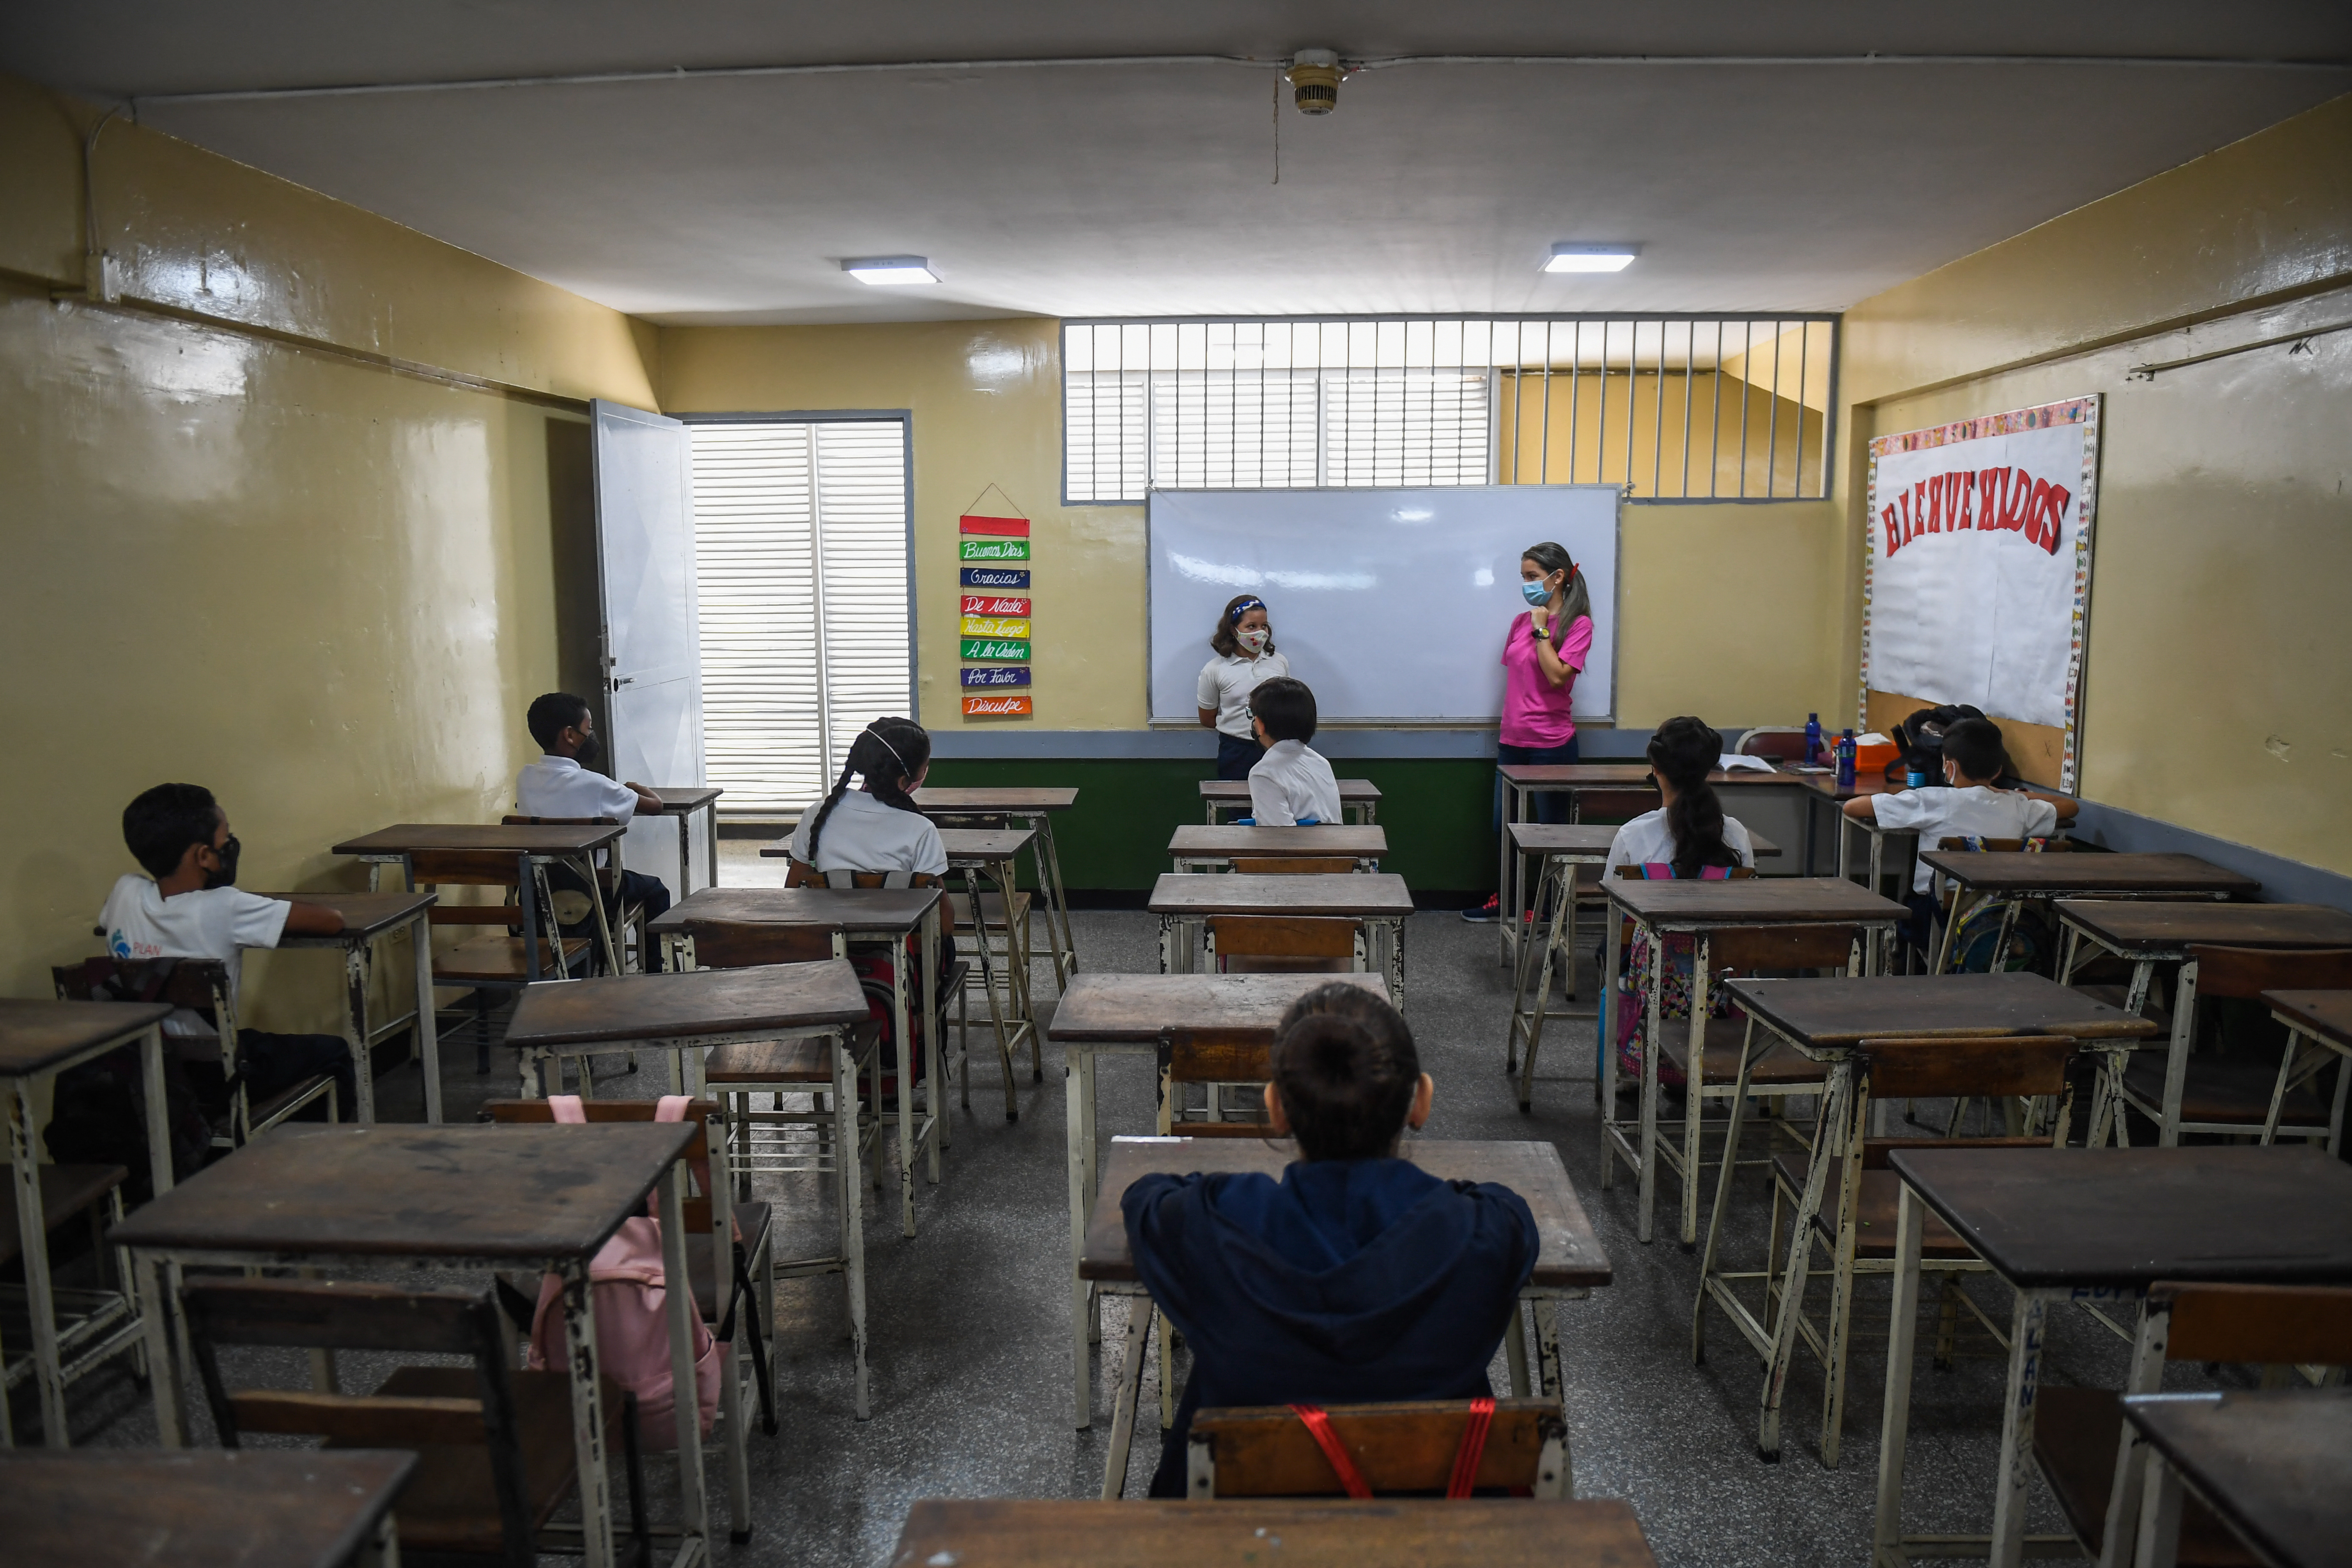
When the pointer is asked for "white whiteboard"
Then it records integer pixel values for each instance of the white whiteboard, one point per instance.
(1391, 605)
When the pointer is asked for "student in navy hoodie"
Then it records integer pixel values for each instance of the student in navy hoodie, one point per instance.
(1359, 1276)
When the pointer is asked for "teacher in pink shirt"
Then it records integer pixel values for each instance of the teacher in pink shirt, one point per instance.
(1542, 654)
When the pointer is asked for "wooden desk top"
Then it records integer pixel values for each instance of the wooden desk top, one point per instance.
(2236, 1215)
(101, 1508)
(1013, 799)
(1363, 843)
(1843, 1012)
(1752, 900)
(365, 914)
(1244, 1533)
(2276, 1467)
(2146, 926)
(1351, 893)
(397, 1191)
(1136, 1007)
(2327, 1014)
(1622, 775)
(1569, 1254)
(410, 835)
(978, 846)
(36, 1036)
(678, 799)
(1354, 792)
(2091, 872)
(835, 909)
(782, 997)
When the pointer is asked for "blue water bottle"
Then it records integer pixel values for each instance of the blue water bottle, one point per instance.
(1812, 740)
(1846, 759)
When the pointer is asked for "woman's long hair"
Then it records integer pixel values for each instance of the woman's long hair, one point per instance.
(1555, 558)
(889, 753)
(1222, 639)
(1683, 751)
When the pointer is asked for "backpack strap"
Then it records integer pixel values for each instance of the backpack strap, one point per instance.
(1318, 1427)
(1473, 1449)
(566, 1108)
(672, 1108)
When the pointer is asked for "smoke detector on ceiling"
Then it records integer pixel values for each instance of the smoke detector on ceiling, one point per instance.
(1315, 81)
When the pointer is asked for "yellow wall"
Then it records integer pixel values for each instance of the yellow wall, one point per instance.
(2218, 690)
(243, 551)
(1543, 423)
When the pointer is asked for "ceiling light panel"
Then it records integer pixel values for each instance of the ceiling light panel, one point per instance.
(1591, 257)
(890, 271)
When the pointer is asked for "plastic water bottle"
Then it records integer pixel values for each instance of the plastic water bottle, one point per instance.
(1846, 759)
(1812, 740)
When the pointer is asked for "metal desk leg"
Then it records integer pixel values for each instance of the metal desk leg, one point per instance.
(695, 1500)
(1837, 1095)
(1130, 1388)
(684, 856)
(355, 1031)
(1081, 1178)
(49, 1367)
(847, 1164)
(2175, 1065)
(1647, 1202)
(1049, 885)
(2133, 1456)
(428, 1034)
(159, 1125)
(1515, 1349)
(1607, 1043)
(900, 1015)
(579, 1307)
(711, 838)
(2017, 1429)
(164, 1364)
(934, 1065)
(1894, 1421)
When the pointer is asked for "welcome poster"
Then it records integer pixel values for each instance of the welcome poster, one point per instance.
(1977, 563)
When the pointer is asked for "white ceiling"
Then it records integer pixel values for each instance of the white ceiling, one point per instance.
(1137, 189)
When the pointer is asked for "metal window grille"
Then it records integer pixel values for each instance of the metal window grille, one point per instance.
(799, 549)
(1673, 407)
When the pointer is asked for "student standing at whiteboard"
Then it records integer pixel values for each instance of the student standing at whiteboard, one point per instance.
(1543, 653)
(1244, 644)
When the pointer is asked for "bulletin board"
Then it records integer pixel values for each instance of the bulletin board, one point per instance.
(1976, 573)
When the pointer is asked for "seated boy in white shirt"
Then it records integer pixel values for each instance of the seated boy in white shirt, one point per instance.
(1968, 804)
(192, 909)
(562, 785)
(1291, 786)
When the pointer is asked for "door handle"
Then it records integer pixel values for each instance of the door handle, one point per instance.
(621, 680)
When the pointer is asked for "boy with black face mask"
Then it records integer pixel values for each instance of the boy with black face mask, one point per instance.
(562, 782)
(192, 909)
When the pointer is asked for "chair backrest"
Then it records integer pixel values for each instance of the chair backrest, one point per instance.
(2251, 971)
(2004, 846)
(717, 944)
(2300, 1325)
(800, 874)
(1618, 802)
(1783, 745)
(1749, 950)
(1268, 1451)
(1937, 1067)
(1282, 936)
(466, 868)
(1732, 874)
(1215, 1056)
(511, 820)
(200, 985)
(1294, 865)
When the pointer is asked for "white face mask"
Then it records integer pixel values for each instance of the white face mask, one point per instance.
(1254, 642)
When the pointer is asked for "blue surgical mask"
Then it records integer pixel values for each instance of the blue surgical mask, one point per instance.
(1535, 592)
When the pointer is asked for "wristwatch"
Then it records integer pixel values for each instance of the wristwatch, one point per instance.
(1542, 634)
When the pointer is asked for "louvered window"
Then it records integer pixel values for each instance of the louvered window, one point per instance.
(800, 553)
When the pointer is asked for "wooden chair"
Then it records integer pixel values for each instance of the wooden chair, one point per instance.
(572, 906)
(845, 1133)
(530, 944)
(1268, 1450)
(96, 1323)
(1779, 743)
(2186, 1092)
(1947, 907)
(1294, 864)
(1284, 944)
(1619, 805)
(732, 1295)
(200, 986)
(2086, 1447)
(1211, 1058)
(494, 1445)
(1858, 1230)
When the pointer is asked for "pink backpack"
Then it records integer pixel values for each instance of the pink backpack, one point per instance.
(632, 1310)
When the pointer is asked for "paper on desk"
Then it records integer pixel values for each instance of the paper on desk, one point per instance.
(1872, 739)
(1730, 760)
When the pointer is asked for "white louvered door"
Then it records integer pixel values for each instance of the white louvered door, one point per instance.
(801, 553)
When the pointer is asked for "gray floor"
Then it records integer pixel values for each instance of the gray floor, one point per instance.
(971, 1353)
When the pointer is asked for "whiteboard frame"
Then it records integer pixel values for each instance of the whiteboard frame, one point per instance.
(1616, 600)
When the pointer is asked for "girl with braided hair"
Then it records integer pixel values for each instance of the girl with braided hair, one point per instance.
(875, 827)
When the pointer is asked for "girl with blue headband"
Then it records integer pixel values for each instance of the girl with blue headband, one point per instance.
(1244, 644)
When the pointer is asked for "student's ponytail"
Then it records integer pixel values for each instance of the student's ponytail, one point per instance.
(1683, 751)
(889, 753)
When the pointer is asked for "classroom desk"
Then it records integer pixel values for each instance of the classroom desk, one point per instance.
(684, 1013)
(1239, 1533)
(1035, 806)
(1569, 1260)
(1199, 848)
(1126, 1015)
(1826, 1021)
(994, 853)
(1673, 908)
(467, 1198)
(368, 919)
(39, 1040)
(576, 846)
(1378, 901)
(2024, 874)
(682, 801)
(1876, 838)
(2323, 1018)
(231, 1509)
(884, 917)
(2094, 1226)
(2150, 933)
(1225, 798)
(2275, 1467)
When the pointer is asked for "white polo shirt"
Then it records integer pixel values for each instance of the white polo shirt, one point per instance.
(862, 834)
(209, 922)
(1226, 682)
(560, 786)
(1292, 785)
(1647, 840)
(1980, 810)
